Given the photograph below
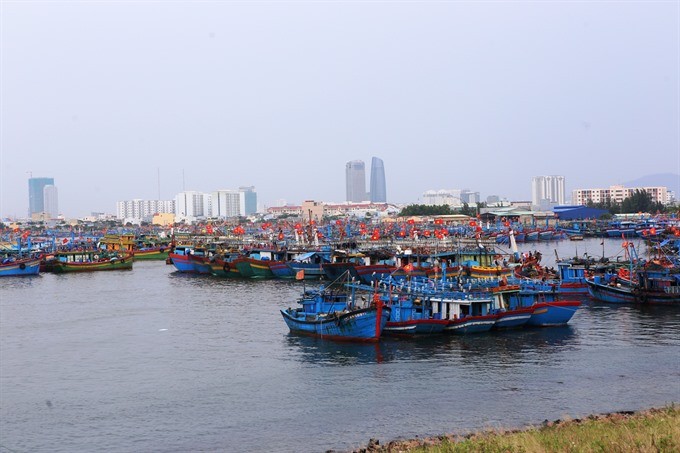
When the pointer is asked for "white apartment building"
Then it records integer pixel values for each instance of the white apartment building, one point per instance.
(443, 197)
(547, 190)
(138, 210)
(228, 203)
(191, 206)
(616, 194)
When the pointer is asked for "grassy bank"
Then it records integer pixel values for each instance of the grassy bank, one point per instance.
(655, 430)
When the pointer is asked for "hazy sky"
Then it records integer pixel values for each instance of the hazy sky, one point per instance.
(105, 95)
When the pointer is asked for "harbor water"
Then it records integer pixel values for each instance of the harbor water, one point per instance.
(153, 360)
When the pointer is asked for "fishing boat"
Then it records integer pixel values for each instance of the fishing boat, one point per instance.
(658, 283)
(342, 262)
(12, 266)
(190, 260)
(608, 288)
(148, 253)
(252, 266)
(109, 262)
(511, 314)
(465, 313)
(221, 265)
(310, 265)
(549, 308)
(337, 316)
(412, 316)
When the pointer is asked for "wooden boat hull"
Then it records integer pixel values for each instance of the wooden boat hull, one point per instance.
(488, 272)
(20, 267)
(611, 294)
(252, 268)
(364, 324)
(189, 264)
(312, 271)
(416, 327)
(512, 319)
(471, 324)
(280, 269)
(156, 254)
(556, 313)
(60, 267)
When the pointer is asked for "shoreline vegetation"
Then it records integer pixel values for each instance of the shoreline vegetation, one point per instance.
(652, 430)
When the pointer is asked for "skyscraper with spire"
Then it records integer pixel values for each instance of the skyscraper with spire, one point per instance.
(378, 185)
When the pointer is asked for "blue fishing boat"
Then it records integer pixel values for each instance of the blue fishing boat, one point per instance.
(412, 316)
(337, 316)
(190, 260)
(466, 313)
(508, 308)
(658, 283)
(549, 309)
(21, 266)
(310, 263)
(608, 288)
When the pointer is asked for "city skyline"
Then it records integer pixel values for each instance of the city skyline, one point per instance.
(452, 94)
(232, 202)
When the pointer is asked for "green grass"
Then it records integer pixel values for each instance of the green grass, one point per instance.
(656, 430)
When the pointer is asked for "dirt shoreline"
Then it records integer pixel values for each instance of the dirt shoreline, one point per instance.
(405, 445)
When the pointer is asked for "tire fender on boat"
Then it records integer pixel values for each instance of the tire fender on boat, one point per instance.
(22, 266)
(96, 257)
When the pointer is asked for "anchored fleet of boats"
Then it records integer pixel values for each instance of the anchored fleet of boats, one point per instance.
(405, 286)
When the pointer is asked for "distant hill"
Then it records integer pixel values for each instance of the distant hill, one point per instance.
(670, 180)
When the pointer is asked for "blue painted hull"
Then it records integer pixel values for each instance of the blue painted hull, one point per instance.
(184, 263)
(611, 294)
(280, 269)
(311, 270)
(553, 313)
(471, 324)
(21, 267)
(513, 319)
(356, 325)
(416, 327)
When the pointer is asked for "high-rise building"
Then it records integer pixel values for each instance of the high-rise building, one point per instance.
(227, 203)
(355, 180)
(191, 205)
(469, 197)
(143, 209)
(378, 185)
(249, 200)
(51, 201)
(547, 190)
(36, 195)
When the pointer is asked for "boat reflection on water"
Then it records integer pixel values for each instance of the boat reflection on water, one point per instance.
(517, 344)
(326, 353)
(503, 347)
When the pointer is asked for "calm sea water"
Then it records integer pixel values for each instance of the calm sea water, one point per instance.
(152, 360)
